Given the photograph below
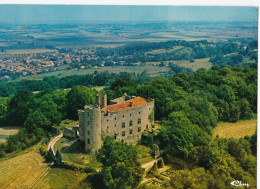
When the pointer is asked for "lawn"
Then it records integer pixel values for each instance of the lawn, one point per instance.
(235, 130)
(6, 131)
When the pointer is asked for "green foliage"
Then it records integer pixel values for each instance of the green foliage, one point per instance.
(3, 105)
(160, 163)
(151, 116)
(253, 142)
(120, 164)
(19, 107)
(58, 158)
(78, 97)
(178, 135)
(154, 167)
(49, 157)
(55, 130)
(196, 178)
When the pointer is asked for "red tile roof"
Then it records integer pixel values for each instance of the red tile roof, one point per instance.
(136, 102)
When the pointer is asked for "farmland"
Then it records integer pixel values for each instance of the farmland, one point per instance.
(151, 70)
(6, 131)
(235, 130)
(21, 171)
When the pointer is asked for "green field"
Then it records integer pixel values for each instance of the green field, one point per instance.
(6, 131)
(152, 71)
(197, 64)
(235, 130)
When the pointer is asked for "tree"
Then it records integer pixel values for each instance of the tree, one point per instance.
(19, 107)
(37, 119)
(121, 167)
(58, 158)
(78, 97)
(49, 157)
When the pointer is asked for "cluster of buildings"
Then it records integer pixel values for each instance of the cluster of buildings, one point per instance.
(24, 63)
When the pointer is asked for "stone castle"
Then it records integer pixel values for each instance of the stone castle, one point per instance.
(124, 119)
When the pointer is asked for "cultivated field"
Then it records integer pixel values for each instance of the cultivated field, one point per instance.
(235, 130)
(21, 171)
(152, 71)
(197, 64)
(60, 178)
(6, 131)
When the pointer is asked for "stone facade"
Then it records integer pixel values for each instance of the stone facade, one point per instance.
(125, 120)
(71, 133)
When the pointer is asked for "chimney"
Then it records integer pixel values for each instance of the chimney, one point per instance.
(131, 103)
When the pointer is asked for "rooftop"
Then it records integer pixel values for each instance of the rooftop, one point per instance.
(132, 103)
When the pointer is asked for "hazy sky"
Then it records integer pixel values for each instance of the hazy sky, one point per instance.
(26, 14)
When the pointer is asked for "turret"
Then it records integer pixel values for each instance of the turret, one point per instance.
(92, 128)
(101, 100)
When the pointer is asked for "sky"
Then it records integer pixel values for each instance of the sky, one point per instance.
(44, 14)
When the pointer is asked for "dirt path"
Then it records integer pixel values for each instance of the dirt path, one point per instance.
(53, 141)
(148, 165)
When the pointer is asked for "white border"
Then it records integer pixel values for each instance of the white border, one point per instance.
(139, 2)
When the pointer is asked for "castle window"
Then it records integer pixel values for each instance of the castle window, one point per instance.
(131, 131)
(122, 140)
(115, 118)
(139, 129)
(88, 113)
(123, 115)
(130, 123)
(115, 136)
(123, 133)
(139, 120)
(107, 119)
(146, 126)
(88, 132)
(115, 125)
(139, 112)
(88, 141)
(88, 122)
(130, 114)
(123, 125)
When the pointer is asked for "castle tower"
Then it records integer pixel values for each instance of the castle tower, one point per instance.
(91, 128)
(101, 100)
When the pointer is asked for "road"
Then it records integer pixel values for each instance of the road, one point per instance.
(53, 141)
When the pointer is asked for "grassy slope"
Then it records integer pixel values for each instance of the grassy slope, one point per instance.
(235, 130)
(60, 178)
(21, 171)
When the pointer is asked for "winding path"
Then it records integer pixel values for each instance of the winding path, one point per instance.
(53, 141)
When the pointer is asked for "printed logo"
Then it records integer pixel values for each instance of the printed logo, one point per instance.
(239, 183)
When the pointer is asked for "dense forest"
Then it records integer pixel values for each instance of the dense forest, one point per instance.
(188, 105)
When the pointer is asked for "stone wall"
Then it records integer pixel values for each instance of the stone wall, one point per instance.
(126, 125)
(130, 122)
(67, 132)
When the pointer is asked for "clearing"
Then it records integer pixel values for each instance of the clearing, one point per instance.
(8, 130)
(235, 130)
